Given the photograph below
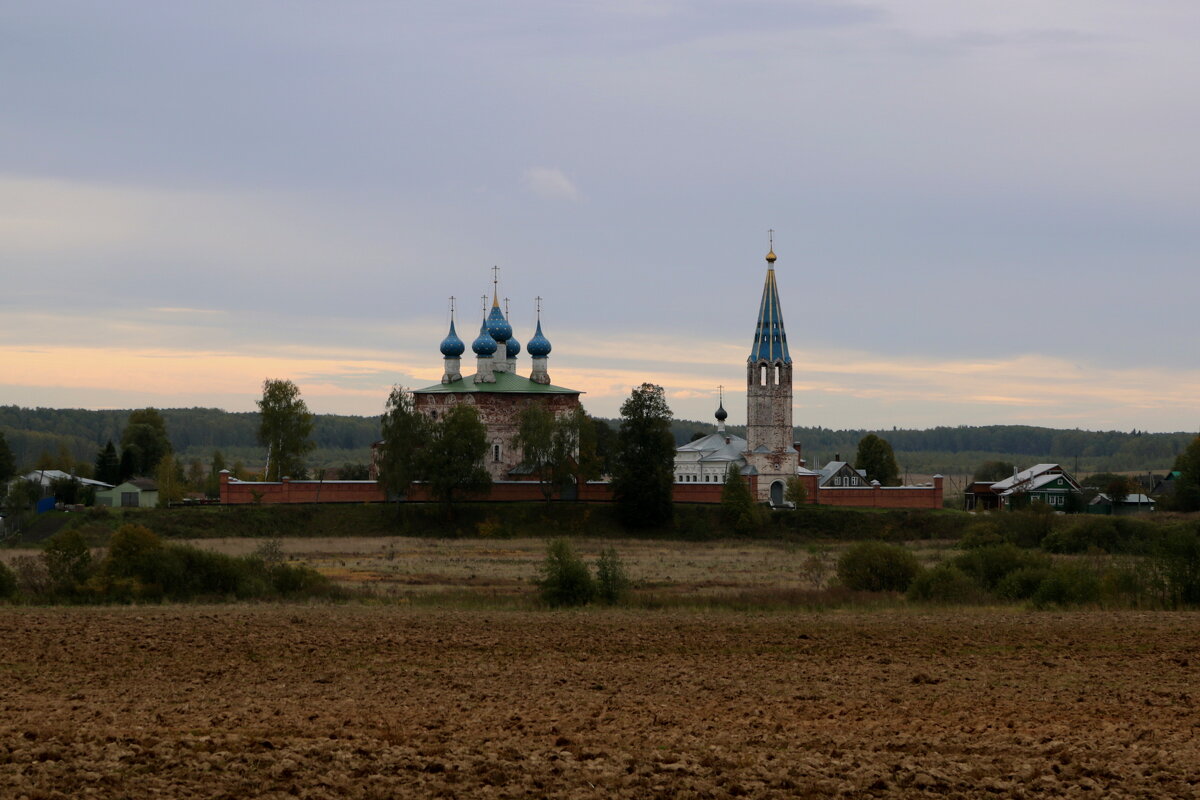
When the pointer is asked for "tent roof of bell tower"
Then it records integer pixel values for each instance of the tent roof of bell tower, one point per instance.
(770, 339)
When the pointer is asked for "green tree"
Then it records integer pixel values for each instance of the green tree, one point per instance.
(605, 447)
(612, 582)
(993, 471)
(108, 465)
(796, 492)
(212, 483)
(536, 440)
(455, 454)
(68, 561)
(145, 436)
(168, 474)
(8, 464)
(876, 457)
(1186, 495)
(402, 456)
(130, 457)
(284, 428)
(643, 464)
(738, 508)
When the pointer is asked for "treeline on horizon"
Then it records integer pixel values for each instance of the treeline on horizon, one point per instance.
(339, 438)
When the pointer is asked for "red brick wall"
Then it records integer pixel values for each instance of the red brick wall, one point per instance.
(883, 496)
(237, 492)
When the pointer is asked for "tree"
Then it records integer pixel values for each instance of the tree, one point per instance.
(876, 457)
(737, 504)
(68, 561)
(129, 461)
(145, 437)
(169, 476)
(1186, 495)
(454, 461)
(796, 492)
(993, 471)
(403, 452)
(108, 465)
(643, 464)
(564, 579)
(535, 438)
(284, 428)
(8, 465)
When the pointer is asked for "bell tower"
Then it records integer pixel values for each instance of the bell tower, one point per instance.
(769, 396)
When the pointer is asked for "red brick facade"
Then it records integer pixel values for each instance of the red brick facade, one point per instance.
(235, 492)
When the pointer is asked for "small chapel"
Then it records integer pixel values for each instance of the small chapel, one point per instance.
(497, 390)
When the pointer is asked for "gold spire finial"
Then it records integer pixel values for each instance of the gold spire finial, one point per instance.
(496, 287)
(771, 251)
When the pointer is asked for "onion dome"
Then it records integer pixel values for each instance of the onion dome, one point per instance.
(452, 346)
(484, 344)
(497, 325)
(722, 414)
(539, 345)
(512, 348)
(771, 256)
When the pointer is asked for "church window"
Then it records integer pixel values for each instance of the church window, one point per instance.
(762, 375)
(496, 452)
(433, 413)
(778, 374)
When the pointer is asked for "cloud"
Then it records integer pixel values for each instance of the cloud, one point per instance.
(550, 182)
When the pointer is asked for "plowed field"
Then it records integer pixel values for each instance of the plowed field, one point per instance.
(376, 702)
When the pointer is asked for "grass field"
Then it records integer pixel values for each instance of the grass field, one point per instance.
(363, 701)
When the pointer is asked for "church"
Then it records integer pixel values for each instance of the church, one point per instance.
(496, 389)
(767, 451)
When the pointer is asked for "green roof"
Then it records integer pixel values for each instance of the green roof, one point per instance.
(506, 383)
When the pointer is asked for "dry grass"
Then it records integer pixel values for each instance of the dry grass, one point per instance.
(375, 702)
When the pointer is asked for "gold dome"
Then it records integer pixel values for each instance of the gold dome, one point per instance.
(771, 257)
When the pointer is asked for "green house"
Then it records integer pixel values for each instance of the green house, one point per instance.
(133, 493)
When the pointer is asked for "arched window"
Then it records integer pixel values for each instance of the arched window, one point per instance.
(496, 452)
(778, 374)
(762, 375)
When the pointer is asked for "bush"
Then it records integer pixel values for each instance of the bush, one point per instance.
(1021, 584)
(1026, 527)
(990, 565)
(68, 562)
(8, 583)
(946, 584)
(1067, 585)
(612, 582)
(1177, 559)
(877, 567)
(565, 580)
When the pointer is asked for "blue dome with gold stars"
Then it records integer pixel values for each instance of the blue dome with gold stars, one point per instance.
(539, 345)
(512, 348)
(497, 325)
(452, 346)
(484, 344)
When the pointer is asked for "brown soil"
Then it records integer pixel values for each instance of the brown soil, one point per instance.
(375, 702)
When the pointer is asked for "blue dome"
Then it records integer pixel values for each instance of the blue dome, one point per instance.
(484, 345)
(452, 346)
(539, 345)
(498, 326)
(512, 348)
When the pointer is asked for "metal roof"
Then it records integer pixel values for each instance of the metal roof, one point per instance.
(770, 340)
(506, 383)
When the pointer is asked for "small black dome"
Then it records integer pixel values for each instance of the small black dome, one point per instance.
(722, 414)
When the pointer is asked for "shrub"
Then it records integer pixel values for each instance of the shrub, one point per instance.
(947, 584)
(68, 562)
(989, 565)
(612, 584)
(877, 567)
(1026, 527)
(1067, 585)
(565, 580)
(1021, 584)
(1177, 559)
(981, 534)
(8, 583)
(1088, 532)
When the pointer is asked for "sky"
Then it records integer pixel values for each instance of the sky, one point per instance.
(984, 213)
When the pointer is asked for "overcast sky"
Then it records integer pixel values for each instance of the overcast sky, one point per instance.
(985, 212)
